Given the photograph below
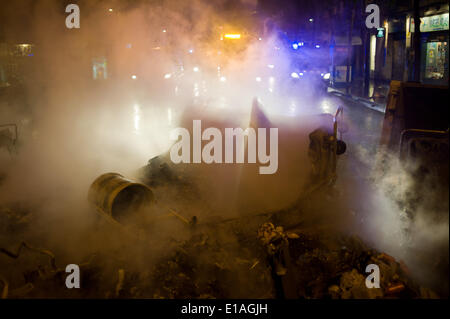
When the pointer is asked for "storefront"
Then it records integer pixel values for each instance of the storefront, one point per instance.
(434, 48)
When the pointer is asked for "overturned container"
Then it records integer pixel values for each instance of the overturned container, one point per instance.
(119, 198)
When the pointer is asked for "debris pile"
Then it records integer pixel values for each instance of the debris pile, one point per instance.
(217, 261)
(335, 266)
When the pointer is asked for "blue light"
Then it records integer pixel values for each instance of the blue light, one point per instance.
(317, 46)
(295, 46)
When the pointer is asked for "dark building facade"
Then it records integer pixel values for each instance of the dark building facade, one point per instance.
(394, 53)
(380, 54)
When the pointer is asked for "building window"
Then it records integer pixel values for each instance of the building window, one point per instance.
(436, 53)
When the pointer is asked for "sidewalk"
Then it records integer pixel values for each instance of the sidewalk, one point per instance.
(375, 100)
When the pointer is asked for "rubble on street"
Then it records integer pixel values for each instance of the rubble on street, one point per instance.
(204, 265)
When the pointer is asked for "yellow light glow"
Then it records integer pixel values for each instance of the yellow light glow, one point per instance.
(232, 36)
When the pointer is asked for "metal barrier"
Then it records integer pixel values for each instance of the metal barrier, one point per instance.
(416, 143)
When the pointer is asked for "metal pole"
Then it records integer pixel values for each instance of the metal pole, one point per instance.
(349, 48)
(417, 48)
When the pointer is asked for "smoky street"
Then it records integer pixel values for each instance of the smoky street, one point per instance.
(223, 150)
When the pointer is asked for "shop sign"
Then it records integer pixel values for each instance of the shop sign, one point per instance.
(432, 23)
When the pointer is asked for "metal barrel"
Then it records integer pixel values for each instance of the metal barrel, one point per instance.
(119, 197)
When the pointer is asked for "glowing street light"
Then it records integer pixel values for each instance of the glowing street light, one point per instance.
(232, 36)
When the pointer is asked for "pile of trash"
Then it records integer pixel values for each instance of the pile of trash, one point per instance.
(219, 260)
(334, 266)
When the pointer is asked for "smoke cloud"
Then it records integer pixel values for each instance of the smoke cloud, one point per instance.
(73, 128)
